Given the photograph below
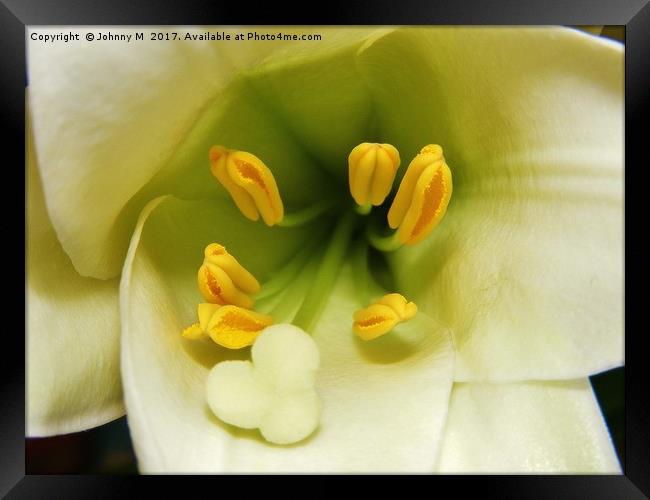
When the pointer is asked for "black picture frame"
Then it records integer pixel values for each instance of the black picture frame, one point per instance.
(15, 15)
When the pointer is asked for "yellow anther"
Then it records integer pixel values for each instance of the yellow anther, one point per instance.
(403, 308)
(229, 326)
(198, 330)
(433, 149)
(193, 332)
(250, 183)
(222, 280)
(234, 327)
(422, 197)
(381, 316)
(371, 172)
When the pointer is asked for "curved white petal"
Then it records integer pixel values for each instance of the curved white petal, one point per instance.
(73, 371)
(526, 268)
(383, 402)
(110, 118)
(536, 427)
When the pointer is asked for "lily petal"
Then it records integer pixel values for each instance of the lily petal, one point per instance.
(526, 268)
(384, 402)
(534, 427)
(73, 371)
(116, 128)
(319, 92)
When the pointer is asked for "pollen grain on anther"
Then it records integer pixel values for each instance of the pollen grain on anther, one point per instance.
(368, 322)
(233, 321)
(248, 171)
(213, 285)
(433, 195)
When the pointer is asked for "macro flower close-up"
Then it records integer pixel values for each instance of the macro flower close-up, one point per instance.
(378, 250)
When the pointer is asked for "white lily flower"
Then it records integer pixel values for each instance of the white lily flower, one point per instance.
(518, 289)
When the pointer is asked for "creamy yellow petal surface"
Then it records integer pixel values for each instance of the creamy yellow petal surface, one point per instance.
(72, 366)
(532, 427)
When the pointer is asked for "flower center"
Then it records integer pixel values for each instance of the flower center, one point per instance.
(418, 206)
(227, 317)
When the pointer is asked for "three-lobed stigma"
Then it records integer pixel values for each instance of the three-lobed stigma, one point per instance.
(250, 183)
(274, 391)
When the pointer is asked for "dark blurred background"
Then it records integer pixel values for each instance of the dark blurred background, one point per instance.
(610, 391)
(108, 450)
(102, 450)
